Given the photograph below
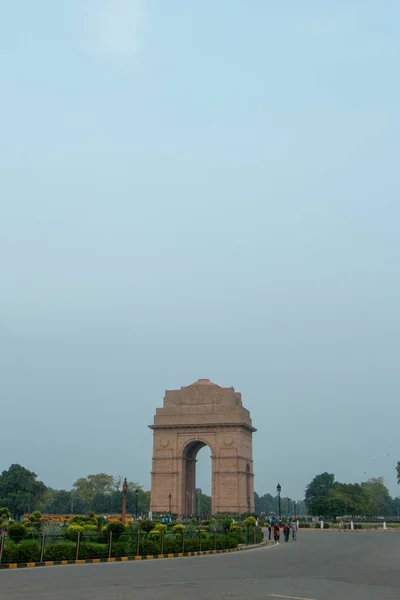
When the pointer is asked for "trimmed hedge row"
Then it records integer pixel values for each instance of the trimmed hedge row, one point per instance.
(30, 550)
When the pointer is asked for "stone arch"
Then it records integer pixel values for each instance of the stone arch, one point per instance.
(202, 414)
(189, 455)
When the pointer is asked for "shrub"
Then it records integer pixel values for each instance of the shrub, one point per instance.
(17, 532)
(250, 522)
(10, 552)
(52, 532)
(117, 528)
(326, 525)
(28, 551)
(160, 527)
(226, 524)
(72, 532)
(179, 530)
(149, 547)
(122, 549)
(34, 518)
(146, 525)
(305, 525)
(61, 551)
(93, 550)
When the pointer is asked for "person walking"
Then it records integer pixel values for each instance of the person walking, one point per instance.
(294, 530)
(269, 529)
(277, 532)
(286, 532)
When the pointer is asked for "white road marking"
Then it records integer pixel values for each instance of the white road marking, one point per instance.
(292, 597)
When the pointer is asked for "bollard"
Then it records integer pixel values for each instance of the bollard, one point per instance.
(78, 541)
(298, 524)
(322, 524)
(351, 525)
(384, 526)
(110, 545)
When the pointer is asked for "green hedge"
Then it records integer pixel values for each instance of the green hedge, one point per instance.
(29, 550)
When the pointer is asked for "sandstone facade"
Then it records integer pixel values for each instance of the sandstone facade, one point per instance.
(202, 414)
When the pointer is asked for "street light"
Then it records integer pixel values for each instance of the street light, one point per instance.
(279, 489)
(170, 498)
(198, 503)
(136, 502)
(294, 508)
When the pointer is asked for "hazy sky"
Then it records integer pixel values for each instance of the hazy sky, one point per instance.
(200, 190)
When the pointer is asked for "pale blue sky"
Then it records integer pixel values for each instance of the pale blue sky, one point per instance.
(200, 189)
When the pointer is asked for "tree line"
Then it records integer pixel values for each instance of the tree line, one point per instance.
(326, 497)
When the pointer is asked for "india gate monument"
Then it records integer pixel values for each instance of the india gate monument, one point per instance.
(198, 415)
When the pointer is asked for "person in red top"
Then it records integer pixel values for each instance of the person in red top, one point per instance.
(277, 532)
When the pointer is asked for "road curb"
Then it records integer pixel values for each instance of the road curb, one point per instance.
(95, 561)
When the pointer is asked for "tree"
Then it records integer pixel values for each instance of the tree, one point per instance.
(378, 495)
(87, 487)
(398, 471)
(318, 494)
(20, 491)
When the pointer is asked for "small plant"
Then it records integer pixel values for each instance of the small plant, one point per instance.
(147, 525)
(72, 532)
(179, 530)
(17, 532)
(117, 528)
(52, 532)
(250, 522)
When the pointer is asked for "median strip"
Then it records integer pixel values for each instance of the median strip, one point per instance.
(92, 561)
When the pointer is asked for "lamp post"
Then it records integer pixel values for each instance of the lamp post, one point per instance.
(136, 503)
(170, 503)
(124, 491)
(279, 489)
(294, 508)
(198, 504)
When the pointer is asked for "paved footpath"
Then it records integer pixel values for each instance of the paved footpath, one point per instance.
(331, 566)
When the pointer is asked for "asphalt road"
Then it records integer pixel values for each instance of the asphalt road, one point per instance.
(319, 566)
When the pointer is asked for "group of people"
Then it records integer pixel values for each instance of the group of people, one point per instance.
(275, 526)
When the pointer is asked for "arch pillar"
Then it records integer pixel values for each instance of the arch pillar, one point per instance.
(195, 416)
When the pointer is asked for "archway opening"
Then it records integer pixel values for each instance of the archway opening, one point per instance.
(197, 484)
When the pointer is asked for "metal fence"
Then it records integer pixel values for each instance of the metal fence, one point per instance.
(41, 547)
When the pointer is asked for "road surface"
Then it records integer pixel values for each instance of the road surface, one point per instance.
(319, 566)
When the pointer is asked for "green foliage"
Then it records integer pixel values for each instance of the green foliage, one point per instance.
(179, 530)
(88, 487)
(90, 528)
(4, 514)
(10, 554)
(226, 524)
(19, 488)
(60, 551)
(117, 528)
(146, 525)
(17, 532)
(250, 522)
(92, 550)
(161, 527)
(28, 551)
(398, 471)
(52, 532)
(72, 532)
(318, 494)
